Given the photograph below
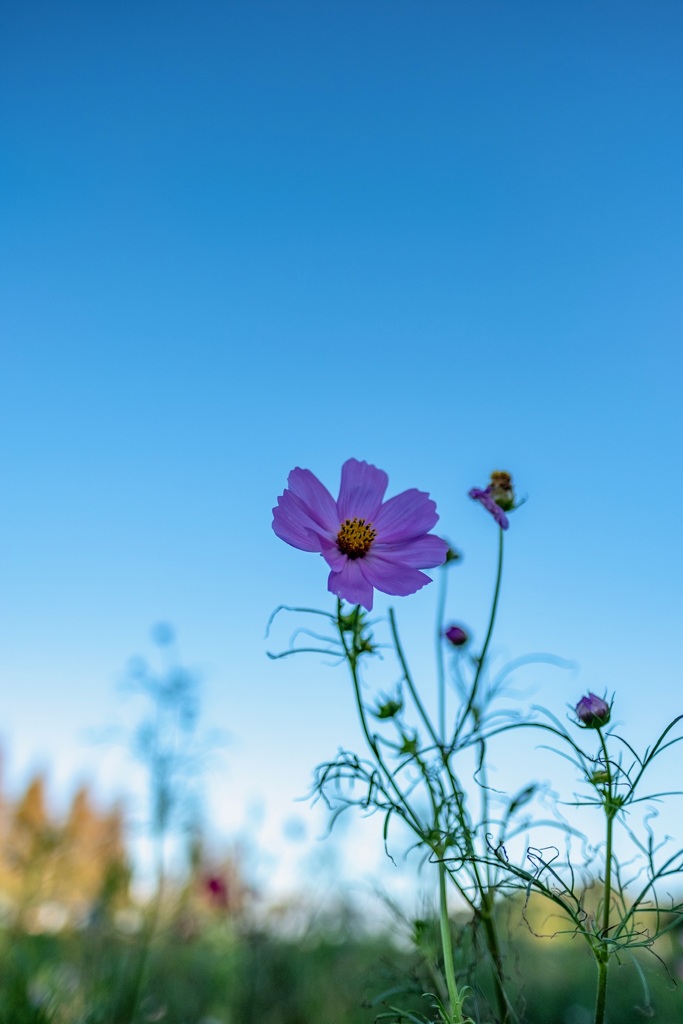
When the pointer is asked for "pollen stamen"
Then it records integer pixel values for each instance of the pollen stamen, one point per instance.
(355, 537)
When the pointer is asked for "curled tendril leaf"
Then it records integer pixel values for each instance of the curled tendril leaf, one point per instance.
(302, 611)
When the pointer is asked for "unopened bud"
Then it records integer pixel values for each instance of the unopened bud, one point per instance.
(388, 710)
(456, 635)
(502, 491)
(593, 711)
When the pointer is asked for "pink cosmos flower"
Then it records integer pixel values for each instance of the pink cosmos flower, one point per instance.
(369, 544)
(216, 891)
(498, 498)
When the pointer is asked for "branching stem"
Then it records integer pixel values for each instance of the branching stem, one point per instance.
(489, 633)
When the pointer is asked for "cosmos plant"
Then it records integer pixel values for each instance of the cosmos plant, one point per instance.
(415, 766)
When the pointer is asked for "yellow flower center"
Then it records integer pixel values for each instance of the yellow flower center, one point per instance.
(355, 537)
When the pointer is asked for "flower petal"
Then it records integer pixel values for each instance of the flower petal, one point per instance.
(361, 492)
(293, 524)
(315, 498)
(420, 553)
(335, 558)
(351, 585)
(484, 497)
(304, 511)
(405, 516)
(390, 577)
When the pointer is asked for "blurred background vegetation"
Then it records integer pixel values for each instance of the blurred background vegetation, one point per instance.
(87, 936)
(80, 944)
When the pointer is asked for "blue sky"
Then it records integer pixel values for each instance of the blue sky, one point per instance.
(443, 237)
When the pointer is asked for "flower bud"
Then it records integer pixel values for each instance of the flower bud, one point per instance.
(410, 745)
(501, 490)
(389, 709)
(456, 635)
(593, 711)
(498, 498)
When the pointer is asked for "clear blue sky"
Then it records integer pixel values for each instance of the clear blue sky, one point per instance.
(237, 237)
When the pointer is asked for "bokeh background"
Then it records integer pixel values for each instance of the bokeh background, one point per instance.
(444, 237)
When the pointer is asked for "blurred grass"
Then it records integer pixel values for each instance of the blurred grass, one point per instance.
(221, 977)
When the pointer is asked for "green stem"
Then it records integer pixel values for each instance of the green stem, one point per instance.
(609, 813)
(454, 996)
(440, 671)
(409, 681)
(601, 994)
(602, 952)
(496, 957)
(487, 905)
(484, 887)
(482, 657)
(352, 658)
(608, 879)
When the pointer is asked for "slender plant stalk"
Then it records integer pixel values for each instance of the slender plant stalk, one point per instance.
(601, 993)
(602, 952)
(409, 682)
(487, 908)
(352, 652)
(489, 633)
(483, 887)
(440, 669)
(454, 997)
(352, 658)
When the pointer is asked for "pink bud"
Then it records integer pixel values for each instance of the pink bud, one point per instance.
(593, 711)
(456, 635)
